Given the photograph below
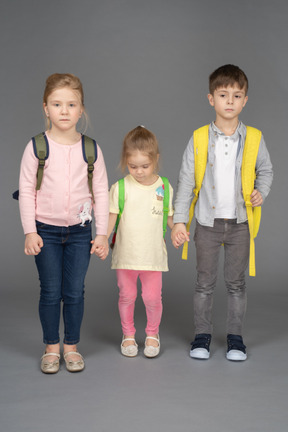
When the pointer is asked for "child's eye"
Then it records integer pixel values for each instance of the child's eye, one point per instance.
(145, 166)
(72, 105)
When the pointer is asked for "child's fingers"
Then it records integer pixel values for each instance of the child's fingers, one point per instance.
(101, 252)
(92, 250)
(256, 198)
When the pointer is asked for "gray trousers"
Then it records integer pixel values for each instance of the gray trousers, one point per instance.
(208, 241)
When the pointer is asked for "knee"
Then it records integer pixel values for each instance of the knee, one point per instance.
(126, 298)
(152, 298)
(235, 287)
(73, 298)
(204, 289)
(49, 298)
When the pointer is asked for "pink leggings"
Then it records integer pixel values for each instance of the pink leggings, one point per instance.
(151, 294)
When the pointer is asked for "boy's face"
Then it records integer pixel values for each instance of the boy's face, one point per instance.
(228, 102)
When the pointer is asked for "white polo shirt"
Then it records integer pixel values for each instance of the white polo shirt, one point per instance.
(224, 175)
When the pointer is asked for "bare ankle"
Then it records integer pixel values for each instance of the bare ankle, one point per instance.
(69, 348)
(54, 348)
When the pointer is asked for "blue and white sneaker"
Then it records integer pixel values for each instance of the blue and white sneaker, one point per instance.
(236, 350)
(200, 347)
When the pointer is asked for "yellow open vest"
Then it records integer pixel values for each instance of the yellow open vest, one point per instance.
(248, 175)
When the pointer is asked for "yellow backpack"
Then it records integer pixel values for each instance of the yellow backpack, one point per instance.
(248, 175)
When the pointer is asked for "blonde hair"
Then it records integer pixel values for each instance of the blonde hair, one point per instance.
(61, 80)
(143, 140)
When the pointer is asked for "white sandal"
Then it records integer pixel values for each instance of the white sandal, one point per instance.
(130, 350)
(151, 351)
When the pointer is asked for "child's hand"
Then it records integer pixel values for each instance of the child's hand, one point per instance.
(33, 244)
(100, 246)
(256, 198)
(181, 239)
(179, 235)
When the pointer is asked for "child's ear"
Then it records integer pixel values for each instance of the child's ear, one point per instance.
(45, 109)
(245, 101)
(210, 99)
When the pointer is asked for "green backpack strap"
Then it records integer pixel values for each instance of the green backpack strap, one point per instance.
(121, 201)
(41, 151)
(89, 150)
(165, 204)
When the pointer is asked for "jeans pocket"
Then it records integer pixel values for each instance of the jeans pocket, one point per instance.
(40, 225)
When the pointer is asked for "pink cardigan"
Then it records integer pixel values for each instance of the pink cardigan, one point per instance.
(64, 198)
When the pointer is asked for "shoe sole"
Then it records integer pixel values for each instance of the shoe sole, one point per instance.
(200, 354)
(151, 355)
(235, 355)
(129, 355)
(126, 354)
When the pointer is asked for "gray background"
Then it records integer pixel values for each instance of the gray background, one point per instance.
(144, 62)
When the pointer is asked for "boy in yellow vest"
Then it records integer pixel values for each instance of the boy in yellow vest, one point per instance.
(231, 165)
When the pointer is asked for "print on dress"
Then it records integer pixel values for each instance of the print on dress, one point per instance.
(157, 209)
(160, 193)
(84, 214)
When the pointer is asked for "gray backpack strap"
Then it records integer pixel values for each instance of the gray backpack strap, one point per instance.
(41, 151)
(89, 149)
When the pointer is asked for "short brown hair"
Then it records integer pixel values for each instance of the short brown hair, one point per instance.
(228, 75)
(140, 139)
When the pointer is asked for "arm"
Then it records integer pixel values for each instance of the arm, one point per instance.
(27, 189)
(170, 222)
(171, 208)
(101, 195)
(111, 223)
(186, 184)
(264, 175)
(184, 195)
(100, 207)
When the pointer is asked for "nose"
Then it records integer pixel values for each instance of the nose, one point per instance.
(230, 99)
(64, 109)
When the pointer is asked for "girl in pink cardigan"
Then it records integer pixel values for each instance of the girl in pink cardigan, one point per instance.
(57, 219)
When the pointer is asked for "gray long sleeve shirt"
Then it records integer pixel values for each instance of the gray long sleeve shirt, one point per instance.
(206, 204)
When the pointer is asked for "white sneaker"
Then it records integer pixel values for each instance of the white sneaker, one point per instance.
(236, 355)
(236, 350)
(200, 353)
(200, 347)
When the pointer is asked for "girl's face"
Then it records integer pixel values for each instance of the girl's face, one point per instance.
(63, 108)
(141, 167)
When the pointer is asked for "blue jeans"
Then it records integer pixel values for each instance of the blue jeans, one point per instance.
(62, 266)
(208, 240)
